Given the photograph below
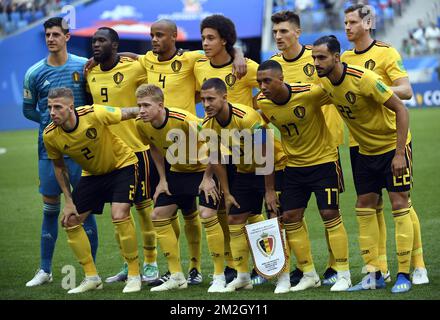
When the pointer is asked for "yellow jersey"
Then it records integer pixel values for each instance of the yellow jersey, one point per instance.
(239, 91)
(178, 133)
(175, 77)
(243, 118)
(380, 58)
(91, 144)
(359, 97)
(116, 88)
(302, 69)
(305, 137)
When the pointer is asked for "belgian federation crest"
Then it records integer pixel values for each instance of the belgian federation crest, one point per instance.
(118, 77)
(266, 244)
(176, 65)
(76, 77)
(300, 112)
(91, 133)
(309, 69)
(230, 79)
(351, 97)
(370, 64)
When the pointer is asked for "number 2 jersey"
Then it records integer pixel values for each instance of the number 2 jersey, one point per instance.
(90, 144)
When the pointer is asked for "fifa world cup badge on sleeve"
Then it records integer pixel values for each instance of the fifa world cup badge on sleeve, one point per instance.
(267, 247)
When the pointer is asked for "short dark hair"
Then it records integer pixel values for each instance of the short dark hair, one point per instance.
(215, 83)
(224, 26)
(57, 22)
(332, 43)
(114, 37)
(286, 15)
(270, 65)
(362, 9)
(61, 92)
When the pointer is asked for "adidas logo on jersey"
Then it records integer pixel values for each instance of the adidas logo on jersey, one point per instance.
(46, 83)
(93, 80)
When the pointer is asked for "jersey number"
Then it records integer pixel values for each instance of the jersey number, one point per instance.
(162, 79)
(404, 180)
(346, 112)
(290, 132)
(330, 192)
(104, 94)
(87, 153)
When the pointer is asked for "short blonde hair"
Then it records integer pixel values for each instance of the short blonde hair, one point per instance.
(150, 90)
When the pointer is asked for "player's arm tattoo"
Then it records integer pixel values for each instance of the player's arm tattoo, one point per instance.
(129, 113)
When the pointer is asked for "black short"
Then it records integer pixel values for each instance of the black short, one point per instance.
(299, 183)
(184, 188)
(92, 192)
(372, 173)
(148, 177)
(342, 181)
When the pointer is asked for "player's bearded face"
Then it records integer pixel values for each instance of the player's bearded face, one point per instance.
(162, 39)
(324, 60)
(355, 26)
(212, 101)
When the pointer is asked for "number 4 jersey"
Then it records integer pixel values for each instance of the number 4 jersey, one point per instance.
(90, 144)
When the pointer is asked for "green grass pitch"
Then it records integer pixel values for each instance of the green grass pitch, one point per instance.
(21, 215)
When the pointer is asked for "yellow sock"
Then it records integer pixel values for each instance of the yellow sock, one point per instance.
(369, 237)
(193, 233)
(286, 269)
(338, 241)
(176, 225)
(80, 245)
(331, 257)
(223, 220)
(299, 242)
(215, 240)
(383, 263)
(118, 241)
(404, 239)
(255, 218)
(149, 241)
(127, 236)
(417, 260)
(169, 244)
(239, 247)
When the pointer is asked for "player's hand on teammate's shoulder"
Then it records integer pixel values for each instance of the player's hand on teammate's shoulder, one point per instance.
(91, 63)
(239, 65)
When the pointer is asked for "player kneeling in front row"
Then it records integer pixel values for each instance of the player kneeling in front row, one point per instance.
(172, 133)
(109, 175)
